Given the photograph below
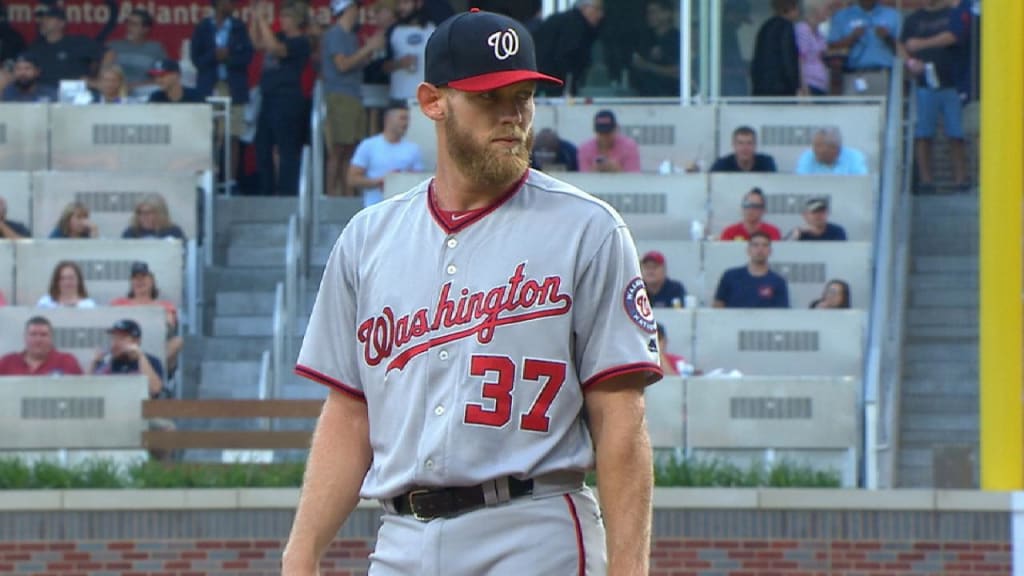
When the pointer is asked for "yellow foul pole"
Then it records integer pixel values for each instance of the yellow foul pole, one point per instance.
(1002, 183)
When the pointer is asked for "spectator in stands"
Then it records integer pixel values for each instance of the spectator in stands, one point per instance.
(744, 157)
(12, 43)
(67, 288)
(563, 44)
(753, 285)
(407, 41)
(151, 219)
(9, 229)
(811, 46)
(283, 110)
(60, 56)
(827, 155)
(656, 64)
(167, 74)
(376, 88)
(957, 38)
(936, 92)
(221, 51)
(671, 364)
(867, 32)
(39, 358)
(125, 356)
(74, 223)
(136, 53)
(609, 150)
(3, 299)
(111, 86)
(26, 86)
(754, 205)
(554, 154)
(835, 295)
(662, 291)
(144, 292)
(775, 68)
(380, 155)
(341, 68)
(818, 227)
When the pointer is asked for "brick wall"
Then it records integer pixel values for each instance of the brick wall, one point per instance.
(670, 557)
(696, 533)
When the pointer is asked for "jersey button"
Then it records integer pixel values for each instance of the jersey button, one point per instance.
(443, 354)
(452, 242)
(452, 269)
(429, 464)
(439, 410)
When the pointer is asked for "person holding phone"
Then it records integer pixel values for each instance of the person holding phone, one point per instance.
(609, 150)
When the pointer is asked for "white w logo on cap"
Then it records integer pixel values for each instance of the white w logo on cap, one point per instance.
(505, 43)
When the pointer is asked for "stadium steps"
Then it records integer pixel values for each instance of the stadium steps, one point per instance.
(939, 389)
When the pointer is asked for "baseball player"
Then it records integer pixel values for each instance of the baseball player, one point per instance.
(487, 338)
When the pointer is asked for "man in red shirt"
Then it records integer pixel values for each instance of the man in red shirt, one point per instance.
(753, 212)
(39, 357)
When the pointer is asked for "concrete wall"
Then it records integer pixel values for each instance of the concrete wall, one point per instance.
(696, 532)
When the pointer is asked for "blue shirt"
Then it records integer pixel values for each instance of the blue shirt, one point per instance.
(870, 51)
(671, 295)
(738, 288)
(833, 232)
(850, 161)
(379, 158)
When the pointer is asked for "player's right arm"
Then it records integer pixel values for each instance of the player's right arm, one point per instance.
(330, 489)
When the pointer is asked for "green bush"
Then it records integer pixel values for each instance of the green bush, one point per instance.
(15, 474)
(694, 472)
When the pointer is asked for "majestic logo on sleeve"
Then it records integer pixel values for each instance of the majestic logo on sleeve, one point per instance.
(505, 43)
(478, 314)
(638, 305)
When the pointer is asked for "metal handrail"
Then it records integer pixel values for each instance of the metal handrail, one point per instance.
(193, 288)
(885, 312)
(293, 257)
(278, 340)
(305, 211)
(209, 198)
(264, 384)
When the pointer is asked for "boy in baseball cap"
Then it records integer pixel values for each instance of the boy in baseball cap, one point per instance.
(125, 356)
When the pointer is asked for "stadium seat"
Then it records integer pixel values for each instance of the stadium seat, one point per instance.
(786, 131)
(111, 198)
(852, 200)
(16, 189)
(7, 270)
(781, 342)
(24, 144)
(82, 332)
(106, 265)
(806, 266)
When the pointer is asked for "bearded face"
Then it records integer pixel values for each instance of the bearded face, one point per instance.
(495, 160)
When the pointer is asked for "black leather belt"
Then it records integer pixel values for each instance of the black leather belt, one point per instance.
(429, 503)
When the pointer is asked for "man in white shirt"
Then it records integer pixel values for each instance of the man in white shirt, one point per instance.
(407, 41)
(382, 154)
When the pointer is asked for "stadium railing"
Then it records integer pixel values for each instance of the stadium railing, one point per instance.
(883, 361)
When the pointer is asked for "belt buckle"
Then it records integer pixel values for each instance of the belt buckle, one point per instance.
(412, 504)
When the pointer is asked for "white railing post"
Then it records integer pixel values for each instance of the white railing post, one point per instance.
(209, 200)
(278, 342)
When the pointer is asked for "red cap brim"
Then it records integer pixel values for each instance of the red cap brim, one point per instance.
(495, 80)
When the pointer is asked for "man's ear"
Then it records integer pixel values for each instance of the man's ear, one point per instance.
(431, 101)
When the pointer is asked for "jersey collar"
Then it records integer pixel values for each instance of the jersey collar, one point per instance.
(473, 216)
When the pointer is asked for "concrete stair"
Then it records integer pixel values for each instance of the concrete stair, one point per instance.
(939, 390)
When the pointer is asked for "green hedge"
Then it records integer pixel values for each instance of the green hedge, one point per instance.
(15, 474)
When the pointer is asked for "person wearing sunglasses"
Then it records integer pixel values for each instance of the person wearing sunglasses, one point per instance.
(753, 220)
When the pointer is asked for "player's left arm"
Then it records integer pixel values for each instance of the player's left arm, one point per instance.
(625, 477)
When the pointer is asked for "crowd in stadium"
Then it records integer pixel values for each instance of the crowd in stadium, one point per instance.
(369, 61)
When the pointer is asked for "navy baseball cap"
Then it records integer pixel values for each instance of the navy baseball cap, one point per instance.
(140, 268)
(128, 326)
(604, 122)
(480, 51)
(164, 66)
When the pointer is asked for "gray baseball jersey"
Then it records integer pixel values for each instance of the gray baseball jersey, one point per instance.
(472, 345)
